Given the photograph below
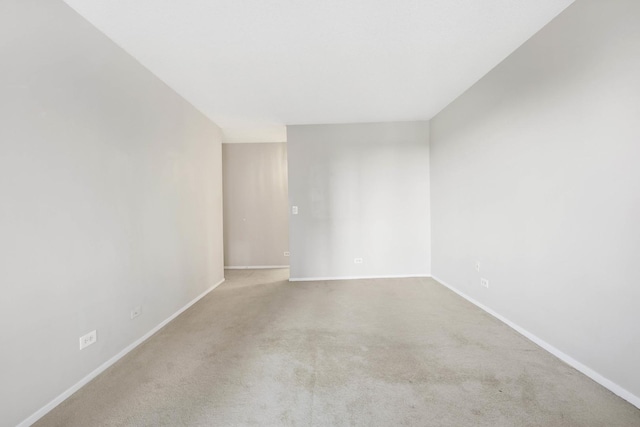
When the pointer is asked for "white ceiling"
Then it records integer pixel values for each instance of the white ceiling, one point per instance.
(254, 66)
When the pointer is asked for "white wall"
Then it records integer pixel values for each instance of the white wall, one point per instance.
(363, 192)
(256, 213)
(535, 172)
(110, 197)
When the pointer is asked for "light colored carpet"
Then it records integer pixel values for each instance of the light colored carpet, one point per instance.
(262, 351)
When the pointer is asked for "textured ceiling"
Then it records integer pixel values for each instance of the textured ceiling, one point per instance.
(253, 66)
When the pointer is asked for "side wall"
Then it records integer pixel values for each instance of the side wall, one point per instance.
(256, 218)
(110, 198)
(535, 173)
(362, 191)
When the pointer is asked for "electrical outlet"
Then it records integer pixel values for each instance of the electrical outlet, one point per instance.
(287, 253)
(478, 266)
(87, 340)
(357, 260)
(137, 311)
(484, 282)
(294, 210)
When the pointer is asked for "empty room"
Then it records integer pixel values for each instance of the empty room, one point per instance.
(320, 213)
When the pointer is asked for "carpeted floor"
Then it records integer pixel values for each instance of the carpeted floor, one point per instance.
(262, 351)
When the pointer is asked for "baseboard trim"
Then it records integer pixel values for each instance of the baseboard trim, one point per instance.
(319, 279)
(77, 386)
(253, 267)
(600, 379)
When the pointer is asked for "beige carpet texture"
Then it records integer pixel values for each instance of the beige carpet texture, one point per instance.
(261, 351)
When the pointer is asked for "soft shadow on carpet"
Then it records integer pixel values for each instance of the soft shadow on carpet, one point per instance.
(262, 351)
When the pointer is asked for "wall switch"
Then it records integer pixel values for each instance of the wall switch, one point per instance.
(294, 210)
(137, 311)
(484, 282)
(287, 253)
(357, 260)
(478, 266)
(87, 340)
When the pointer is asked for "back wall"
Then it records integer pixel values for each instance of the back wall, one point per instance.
(362, 191)
(256, 219)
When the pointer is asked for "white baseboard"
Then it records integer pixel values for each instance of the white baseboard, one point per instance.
(55, 402)
(253, 267)
(605, 382)
(316, 279)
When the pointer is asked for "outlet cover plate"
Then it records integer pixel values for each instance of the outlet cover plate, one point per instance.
(88, 339)
(137, 311)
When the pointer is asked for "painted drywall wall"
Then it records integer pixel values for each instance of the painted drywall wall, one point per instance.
(362, 191)
(535, 173)
(111, 197)
(256, 219)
